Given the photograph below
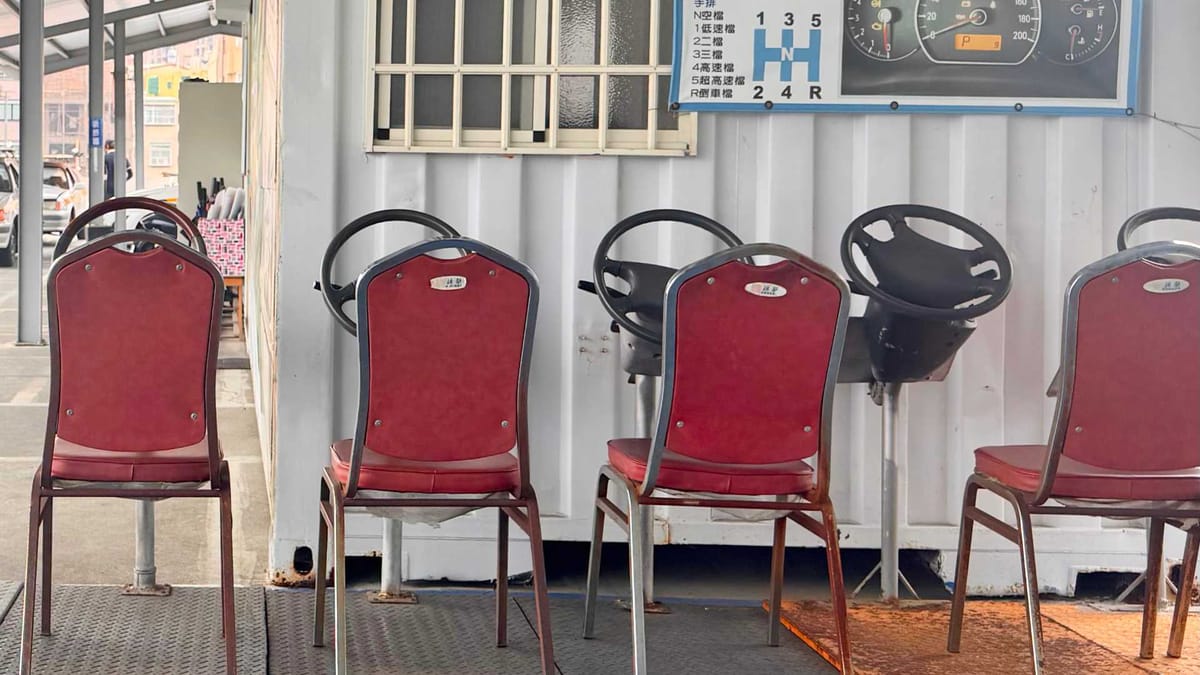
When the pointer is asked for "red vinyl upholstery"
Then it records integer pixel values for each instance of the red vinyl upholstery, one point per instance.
(1021, 466)
(132, 333)
(444, 364)
(179, 465)
(680, 472)
(750, 371)
(1136, 402)
(495, 473)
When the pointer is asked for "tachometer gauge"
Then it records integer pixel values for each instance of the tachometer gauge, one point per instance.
(985, 32)
(881, 29)
(1077, 31)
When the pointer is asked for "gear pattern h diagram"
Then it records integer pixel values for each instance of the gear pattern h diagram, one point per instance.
(787, 55)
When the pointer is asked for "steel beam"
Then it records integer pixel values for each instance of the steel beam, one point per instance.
(29, 279)
(107, 33)
(139, 120)
(162, 27)
(95, 63)
(80, 25)
(175, 36)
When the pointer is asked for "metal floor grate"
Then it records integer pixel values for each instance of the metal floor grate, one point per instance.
(96, 630)
(453, 632)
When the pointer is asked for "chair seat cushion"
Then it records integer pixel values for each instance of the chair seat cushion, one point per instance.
(1020, 467)
(498, 473)
(72, 461)
(680, 472)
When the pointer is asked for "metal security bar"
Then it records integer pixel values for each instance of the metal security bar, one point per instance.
(528, 117)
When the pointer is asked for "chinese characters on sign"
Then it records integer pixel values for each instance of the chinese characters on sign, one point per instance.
(961, 56)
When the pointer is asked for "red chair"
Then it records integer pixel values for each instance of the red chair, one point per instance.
(751, 361)
(1125, 442)
(127, 420)
(444, 350)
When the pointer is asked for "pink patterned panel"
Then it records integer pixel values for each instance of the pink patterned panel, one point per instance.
(226, 242)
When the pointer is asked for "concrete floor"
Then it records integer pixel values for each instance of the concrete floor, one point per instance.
(100, 531)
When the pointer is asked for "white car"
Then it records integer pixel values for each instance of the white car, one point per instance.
(9, 200)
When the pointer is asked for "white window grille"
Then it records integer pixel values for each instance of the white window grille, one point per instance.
(160, 154)
(523, 77)
(160, 114)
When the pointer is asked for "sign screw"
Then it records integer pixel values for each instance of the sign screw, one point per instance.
(1079, 430)
(378, 423)
(504, 424)
(195, 416)
(88, 267)
(70, 412)
(807, 429)
(179, 268)
(803, 281)
(711, 281)
(399, 275)
(679, 424)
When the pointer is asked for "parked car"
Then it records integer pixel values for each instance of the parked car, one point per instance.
(63, 196)
(9, 201)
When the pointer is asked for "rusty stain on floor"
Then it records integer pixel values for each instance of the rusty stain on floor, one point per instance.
(911, 639)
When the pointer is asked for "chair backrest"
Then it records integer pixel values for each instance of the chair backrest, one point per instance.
(133, 346)
(444, 350)
(751, 359)
(1130, 397)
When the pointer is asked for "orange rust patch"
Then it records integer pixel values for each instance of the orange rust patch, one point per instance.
(911, 639)
(1121, 632)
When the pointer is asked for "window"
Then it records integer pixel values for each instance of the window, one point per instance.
(10, 111)
(523, 76)
(160, 114)
(57, 177)
(160, 154)
(6, 184)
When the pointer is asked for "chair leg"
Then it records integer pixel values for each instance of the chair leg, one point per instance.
(1033, 609)
(1183, 599)
(593, 573)
(340, 644)
(47, 560)
(541, 596)
(837, 586)
(778, 546)
(321, 569)
(228, 609)
(31, 563)
(502, 581)
(637, 571)
(966, 529)
(1151, 585)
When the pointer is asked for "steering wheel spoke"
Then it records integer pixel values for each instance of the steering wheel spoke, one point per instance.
(337, 296)
(646, 280)
(937, 276)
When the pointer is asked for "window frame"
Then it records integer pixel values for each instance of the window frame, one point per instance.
(159, 106)
(150, 147)
(506, 140)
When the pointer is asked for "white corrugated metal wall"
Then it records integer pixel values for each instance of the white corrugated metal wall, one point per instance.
(1055, 191)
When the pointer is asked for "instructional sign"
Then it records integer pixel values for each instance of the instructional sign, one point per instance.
(1059, 57)
(95, 132)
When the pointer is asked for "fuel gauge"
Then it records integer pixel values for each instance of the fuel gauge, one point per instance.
(1077, 31)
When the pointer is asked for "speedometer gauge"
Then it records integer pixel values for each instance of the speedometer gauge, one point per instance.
(985, 32)
(881, 29)
(1077, 31)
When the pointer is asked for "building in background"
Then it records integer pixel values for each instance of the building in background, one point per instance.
(215, 59)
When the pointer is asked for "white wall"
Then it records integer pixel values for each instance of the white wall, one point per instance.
(1053, 190)
(210, 138)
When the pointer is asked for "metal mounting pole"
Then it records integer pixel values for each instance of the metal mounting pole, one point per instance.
(120, 153)
(392, 576)
(95, 103)
(890, 576)
(139, 121)
(889, 554)
(144, 571)
(29, 235)
(643, 419)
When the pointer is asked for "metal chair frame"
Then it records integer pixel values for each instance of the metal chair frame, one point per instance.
(640, 498)
(1027, 504)
(44, 492)
(521, 508)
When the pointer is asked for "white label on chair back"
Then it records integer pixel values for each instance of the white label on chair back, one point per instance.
(766, 290)
(1166, 286)
(448, 283)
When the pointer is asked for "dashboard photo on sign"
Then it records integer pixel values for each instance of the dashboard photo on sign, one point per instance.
(1033, 56)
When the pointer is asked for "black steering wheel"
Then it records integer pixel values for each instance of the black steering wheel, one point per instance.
(181, 222)
(647, 281)
(923, 278)
(1150, 216)
(336, 296)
